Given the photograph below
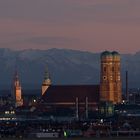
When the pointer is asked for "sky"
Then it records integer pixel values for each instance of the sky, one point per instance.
(88, 25)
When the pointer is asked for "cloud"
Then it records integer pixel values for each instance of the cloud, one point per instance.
(41, 42)
(78, 24)
(72, 11)
(61, 11)
(52, 41)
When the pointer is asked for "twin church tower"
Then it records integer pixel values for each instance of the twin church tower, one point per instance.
(110, 80)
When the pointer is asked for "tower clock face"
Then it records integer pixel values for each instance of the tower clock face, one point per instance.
(104, 77)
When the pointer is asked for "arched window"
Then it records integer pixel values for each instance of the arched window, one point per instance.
(104, 69)
(113, 69)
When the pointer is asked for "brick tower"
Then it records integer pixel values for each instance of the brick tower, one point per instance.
(110, 81)
(17, 91)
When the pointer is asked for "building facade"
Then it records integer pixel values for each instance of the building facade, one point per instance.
(110, 79)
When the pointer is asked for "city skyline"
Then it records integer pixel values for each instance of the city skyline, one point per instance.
(69, 69)
(91, 25)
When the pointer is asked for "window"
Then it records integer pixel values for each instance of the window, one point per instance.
(104, 69)
(113, 69)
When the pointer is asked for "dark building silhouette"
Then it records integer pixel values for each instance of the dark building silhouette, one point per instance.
(70, 99)
(66, 94)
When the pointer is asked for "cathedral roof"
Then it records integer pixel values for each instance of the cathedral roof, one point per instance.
(68, 93)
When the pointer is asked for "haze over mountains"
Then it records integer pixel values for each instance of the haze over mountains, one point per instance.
(65, 67)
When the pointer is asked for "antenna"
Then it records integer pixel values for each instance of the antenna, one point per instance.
(77, 108)
(127, 94)
(86, 103)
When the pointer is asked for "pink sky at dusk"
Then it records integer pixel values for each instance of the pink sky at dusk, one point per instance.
(89, 25)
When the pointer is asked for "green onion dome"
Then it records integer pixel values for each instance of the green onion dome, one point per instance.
(114, 53)
(106, 54)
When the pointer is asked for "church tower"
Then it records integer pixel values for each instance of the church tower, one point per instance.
(117, 77)
(46, 82)
(110, 81)
(17, 91)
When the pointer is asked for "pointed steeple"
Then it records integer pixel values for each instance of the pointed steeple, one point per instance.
(47, 76)
(16, 79)
(17, 91)
(46, 82)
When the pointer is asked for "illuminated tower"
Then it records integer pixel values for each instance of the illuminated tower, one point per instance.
(17, 91)
(110, 81)
(46, 82)
(117, 77)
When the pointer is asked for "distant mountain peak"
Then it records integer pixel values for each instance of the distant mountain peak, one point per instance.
(66, 66)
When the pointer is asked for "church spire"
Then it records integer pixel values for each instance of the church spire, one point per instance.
(17, 91)
(17, 82)
(46, 82)
(47, 75)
